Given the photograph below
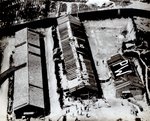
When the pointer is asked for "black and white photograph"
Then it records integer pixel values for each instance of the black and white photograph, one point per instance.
(74, 60)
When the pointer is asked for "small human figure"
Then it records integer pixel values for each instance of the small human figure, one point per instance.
(103, 61)
(81, 113)
(11, 59)
(64, 118)
(77, 119)
(122, 103)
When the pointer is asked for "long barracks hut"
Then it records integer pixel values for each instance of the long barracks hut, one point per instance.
(30, 83)
(75, 50)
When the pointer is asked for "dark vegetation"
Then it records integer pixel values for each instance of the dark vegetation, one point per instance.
(74, 8)
(57, 60)
(63, 7)
(84, 7)
(8, 12)
(15, 12)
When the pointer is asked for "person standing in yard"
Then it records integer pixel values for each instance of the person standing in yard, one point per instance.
(64, 118)
(11, 60)
(134, 110)
(77, 119)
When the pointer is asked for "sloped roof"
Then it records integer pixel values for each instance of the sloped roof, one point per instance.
(128, 80)
(115, 58)
(125, 79)
(81, 86)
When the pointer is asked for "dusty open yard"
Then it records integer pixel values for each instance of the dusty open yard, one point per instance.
(105, 39)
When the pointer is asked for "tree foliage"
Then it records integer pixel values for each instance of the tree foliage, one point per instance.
(14, 11)
(8, 12)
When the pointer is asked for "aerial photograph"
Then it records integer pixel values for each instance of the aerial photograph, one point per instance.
(74, 60)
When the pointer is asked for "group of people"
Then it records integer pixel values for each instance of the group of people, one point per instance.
(79, 107)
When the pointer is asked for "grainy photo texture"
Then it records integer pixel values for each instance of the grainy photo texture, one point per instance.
(74, 60)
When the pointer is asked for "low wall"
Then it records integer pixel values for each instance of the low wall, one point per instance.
(93, 15)
(112, 13)
(33, 25)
